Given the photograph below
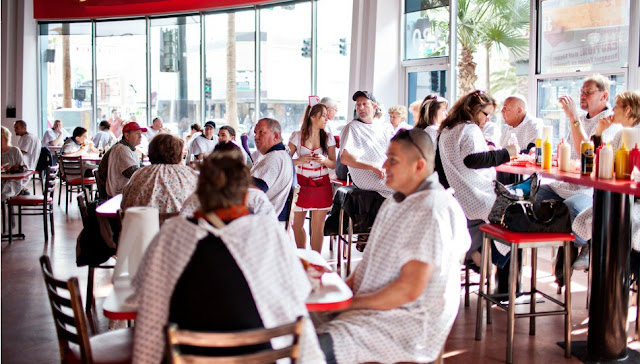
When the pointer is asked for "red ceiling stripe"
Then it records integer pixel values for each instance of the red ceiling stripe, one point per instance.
(94, 9)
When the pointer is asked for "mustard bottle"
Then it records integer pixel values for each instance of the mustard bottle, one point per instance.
(622, 163)
(546, 154)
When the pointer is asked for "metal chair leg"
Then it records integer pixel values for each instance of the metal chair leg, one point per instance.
(513, 271)
(532, 304)
(567, 301)
(466, 286)
(481, 286)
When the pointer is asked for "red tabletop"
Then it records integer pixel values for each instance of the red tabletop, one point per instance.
(619, 186)
(16, 176)
(111, 207)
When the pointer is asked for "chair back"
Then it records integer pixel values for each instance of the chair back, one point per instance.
(177, 337)
(71, 167)
(292, 199)
(68, 315)
(50, 181)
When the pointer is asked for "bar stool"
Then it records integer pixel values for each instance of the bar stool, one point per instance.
(517, 241)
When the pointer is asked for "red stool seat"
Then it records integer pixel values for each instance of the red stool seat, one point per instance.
(501, 233)
(28, 200)
(340, 182)
(79, 181)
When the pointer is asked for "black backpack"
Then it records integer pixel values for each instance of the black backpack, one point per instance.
(46, 159)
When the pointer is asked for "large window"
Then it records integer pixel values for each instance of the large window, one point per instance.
(583, 35)
(66, 85)
(334, 50)
(197, 67)
(175, 71)
(426, 32)
(230, 86)
(121, 64)
(285, 62)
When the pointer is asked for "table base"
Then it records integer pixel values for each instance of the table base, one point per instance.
(580, 350)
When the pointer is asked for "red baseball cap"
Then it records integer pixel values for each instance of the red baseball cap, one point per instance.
(131, 126)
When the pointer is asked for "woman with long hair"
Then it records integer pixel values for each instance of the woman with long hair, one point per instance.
(316, 154)
(464, 162)
(433, 111)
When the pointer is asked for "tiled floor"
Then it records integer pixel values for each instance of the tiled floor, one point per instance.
(28, 335)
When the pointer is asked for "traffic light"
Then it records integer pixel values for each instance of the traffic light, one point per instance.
(435, 84)
(306, 47)
(343, 46)
(207, 88)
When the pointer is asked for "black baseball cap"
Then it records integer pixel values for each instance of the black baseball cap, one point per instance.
(366, 94)
(210, 123)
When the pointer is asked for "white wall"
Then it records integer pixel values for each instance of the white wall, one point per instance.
(375, 46)
(19, 63)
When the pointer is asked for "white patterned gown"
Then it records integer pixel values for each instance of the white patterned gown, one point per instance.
(435, 232)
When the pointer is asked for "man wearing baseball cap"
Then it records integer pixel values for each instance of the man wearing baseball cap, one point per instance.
(364, 143)
(121, 160)
(204, 143)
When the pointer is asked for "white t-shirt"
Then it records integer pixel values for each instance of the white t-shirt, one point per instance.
(200, 145)
(31, 145)
(104, 139)
(367, 143)
(150, 133)
(121, 158)
(527, 132)
(434, 232)
(51, 135)
(473, 187)
(276, 169)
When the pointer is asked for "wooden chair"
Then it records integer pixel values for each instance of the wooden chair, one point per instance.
(72, 173)
(35, 205)
(110, 264)
(177, 337)
(71, 326)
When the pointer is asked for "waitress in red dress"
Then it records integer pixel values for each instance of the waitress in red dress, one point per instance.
(316, 151)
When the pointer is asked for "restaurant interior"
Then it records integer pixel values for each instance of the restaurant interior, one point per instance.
(84, 61)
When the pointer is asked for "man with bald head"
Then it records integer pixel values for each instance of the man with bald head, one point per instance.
(409, 277)
(519, 122)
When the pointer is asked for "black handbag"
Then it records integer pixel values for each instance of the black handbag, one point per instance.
(506, 195)
(547, 216)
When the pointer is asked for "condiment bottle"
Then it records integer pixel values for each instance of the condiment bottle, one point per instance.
(605, 162)
(634, 158)
(538, 152)
(597, 158)
(564, 157)
(546, 154)
(622, 163)
(586, 157)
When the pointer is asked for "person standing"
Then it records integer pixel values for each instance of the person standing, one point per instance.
(316, 151)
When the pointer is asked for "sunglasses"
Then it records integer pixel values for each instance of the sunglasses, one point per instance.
(404, 134)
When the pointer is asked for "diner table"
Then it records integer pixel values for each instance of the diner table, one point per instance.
(333, 294)
(610, 255)
(110, 207)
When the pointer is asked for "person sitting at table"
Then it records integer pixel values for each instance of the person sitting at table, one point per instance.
(121, 161)
(104, 138)
(55, 136)
(12, 160)
(406, 289)
(273, 173)
(76, 146)
(594, 97)
(257, 201)
(464, 162)
(227, 134)
(203, 144)
(156, 127)
(28, 143)
(194, 130)
(397, 117)
(166, 183)
(526, 128)
(222, 270)
(626, 113)
(316, 151)
(433, 111)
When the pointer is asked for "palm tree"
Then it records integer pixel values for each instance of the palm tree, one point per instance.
(232, 90)
(499, 24)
